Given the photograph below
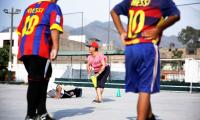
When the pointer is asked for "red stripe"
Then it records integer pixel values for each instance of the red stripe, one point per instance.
(28, 46)
(19, 42)
(147, 27)
(52, 19)
(143, 40)
(156, 13)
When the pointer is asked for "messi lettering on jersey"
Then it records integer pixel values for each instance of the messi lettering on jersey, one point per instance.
(140, 2)
(35, 10)
(144, 15)
(35, 28)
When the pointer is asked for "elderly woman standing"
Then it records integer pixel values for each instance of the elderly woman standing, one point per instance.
(97, 62)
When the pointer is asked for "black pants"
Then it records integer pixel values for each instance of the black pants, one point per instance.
(39, 71)
(101, 79)
(77, 92)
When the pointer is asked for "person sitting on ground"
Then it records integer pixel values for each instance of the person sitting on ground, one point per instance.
(62, 91)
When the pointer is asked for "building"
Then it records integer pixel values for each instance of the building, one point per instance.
(5, 41)
(166, 53)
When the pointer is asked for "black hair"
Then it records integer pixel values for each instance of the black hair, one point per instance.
(96, 49)
(94, 39)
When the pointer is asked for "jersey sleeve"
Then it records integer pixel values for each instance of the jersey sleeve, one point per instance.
(56, 18)
(169, 8)
(122, 8)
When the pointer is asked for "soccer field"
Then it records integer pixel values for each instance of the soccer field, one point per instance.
(166, 105)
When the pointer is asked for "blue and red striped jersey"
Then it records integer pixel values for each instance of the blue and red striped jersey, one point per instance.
(144, 15)
(35, 28)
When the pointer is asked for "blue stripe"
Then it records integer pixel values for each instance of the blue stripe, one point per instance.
(151, 20)
(37, 40)
(37, 37)
(22, 45)
(46, 21)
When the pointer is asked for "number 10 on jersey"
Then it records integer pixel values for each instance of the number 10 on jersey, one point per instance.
(136, 23)
(30, 23)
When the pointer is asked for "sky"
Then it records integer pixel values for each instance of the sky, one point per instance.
(98, 10)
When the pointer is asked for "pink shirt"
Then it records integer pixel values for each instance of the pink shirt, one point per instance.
(96, 62)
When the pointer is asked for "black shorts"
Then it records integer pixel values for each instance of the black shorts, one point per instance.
(101, 79)
(38, 68)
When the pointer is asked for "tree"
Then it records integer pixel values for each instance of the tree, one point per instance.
(177, 54)
(4, 57)
(190, 37)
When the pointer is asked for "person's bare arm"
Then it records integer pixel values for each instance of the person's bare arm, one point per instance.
(55, 35)
(156, 32)
(88, 69)
(118, 25)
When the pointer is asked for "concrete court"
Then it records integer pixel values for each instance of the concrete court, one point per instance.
(166, 105)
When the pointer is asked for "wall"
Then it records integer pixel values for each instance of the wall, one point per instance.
(71, 71)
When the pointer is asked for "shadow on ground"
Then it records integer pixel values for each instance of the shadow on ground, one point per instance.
(131, 118)
(135, 118)
(72, 112)
(108, 100)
